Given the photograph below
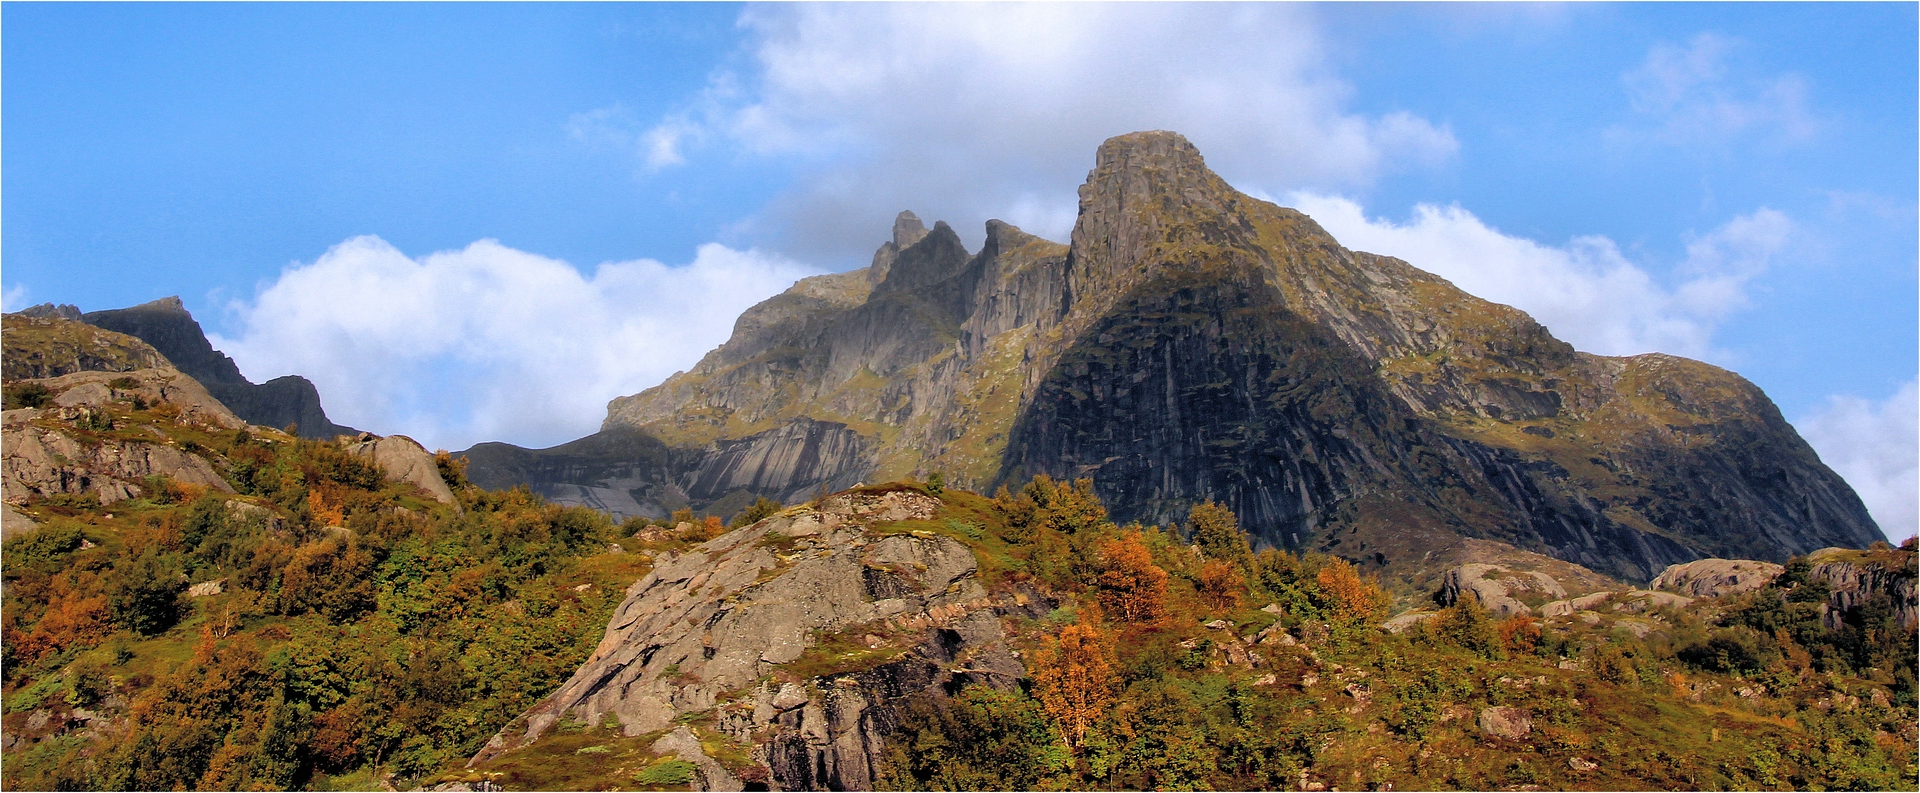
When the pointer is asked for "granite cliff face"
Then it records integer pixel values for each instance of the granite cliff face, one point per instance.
(1194, 343)
(166, 325)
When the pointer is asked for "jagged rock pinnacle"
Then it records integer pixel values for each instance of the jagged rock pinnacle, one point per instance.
(907, 230)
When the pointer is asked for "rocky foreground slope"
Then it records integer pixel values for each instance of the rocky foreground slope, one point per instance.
(1194, 343)
(734, 626)
(838, 646)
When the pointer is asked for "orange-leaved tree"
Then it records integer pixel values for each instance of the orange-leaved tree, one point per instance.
(1221, 584)
(1352, 597)
(1131, 585)
(1073, 678)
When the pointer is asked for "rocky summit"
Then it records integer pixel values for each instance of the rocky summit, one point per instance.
(1193, 343)
(166, 324)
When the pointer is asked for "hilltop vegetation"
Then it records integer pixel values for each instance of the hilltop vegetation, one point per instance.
(361, 632)
(323, 628)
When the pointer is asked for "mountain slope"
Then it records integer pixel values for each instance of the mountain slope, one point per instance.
(166, 325)
(1193, 343)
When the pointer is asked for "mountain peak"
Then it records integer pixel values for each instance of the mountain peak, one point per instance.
(169, 303)
(907, 229)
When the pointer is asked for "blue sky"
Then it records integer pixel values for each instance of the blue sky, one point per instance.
(1728, 181)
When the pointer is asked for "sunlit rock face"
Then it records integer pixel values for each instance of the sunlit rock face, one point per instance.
(1193, 343)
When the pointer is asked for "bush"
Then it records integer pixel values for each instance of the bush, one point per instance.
(144, 593)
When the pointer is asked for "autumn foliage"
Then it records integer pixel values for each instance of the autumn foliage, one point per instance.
(1221, 584)
(1353, 597)
(1131, 585)
(1073, 678)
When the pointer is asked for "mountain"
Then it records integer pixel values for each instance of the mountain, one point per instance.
(166, 324)
(1192, 343)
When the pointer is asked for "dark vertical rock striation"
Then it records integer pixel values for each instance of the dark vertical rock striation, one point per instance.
(1194, 343)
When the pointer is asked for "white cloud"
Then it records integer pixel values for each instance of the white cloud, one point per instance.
(1876, 447)
(14, 298)
(963, 112)
(1693, 95)
(1587, 292)
(488, 342)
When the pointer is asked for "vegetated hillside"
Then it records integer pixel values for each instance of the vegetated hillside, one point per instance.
(167, 326)
(841, 644)
(1195, 344)
(323, 626)
(300, 621)
(50, 346)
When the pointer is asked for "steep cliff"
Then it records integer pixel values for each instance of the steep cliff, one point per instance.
(1194, 343)
(166, 324)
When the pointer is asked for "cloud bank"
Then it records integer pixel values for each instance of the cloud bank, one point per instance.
(1875, 446)
(1587, 292)
(963, 112)
(488, 342)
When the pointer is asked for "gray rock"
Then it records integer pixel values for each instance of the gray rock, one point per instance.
(13, 522)
(1509, 723)
(707, 629)
(1494, 593)
(42, 462)
(404, 460)
(1716, 577)
(682, 743)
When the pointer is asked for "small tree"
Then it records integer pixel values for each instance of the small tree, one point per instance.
(1216, 530)
(1131, 585)
(1073, 679)
(1350, 596)
(1221, 584)
(761, 509)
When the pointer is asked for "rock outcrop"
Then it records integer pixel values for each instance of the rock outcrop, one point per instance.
(1193, 343)
(795, 633)
(1496, 586)
(404, 460)
(1716, 577)
(166, 324)
(41, 462)
(1855, 579)
(42, 343)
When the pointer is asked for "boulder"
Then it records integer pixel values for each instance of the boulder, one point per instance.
(1496, 591)
(404, 460)
(1401, 623)
(683, 744)
(1509, 723)
(13, 522)
(1716, 577)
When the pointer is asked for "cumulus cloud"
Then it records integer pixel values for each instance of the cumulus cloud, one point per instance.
(14, 298)
(1693, 95)
(1587, 292)
(488, 342)
(964, 112)
(1875, 445)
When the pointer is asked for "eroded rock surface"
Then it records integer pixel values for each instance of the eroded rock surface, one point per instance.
(42, 462)
(1716, 577)
(728, 627)
(404, 460)
(1496, 587)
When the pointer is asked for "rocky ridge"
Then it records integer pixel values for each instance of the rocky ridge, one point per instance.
(1194, 343)
(166, 325)
(732, 629)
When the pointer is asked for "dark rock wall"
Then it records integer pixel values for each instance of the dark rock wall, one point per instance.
(166, 325)
(791, 464)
